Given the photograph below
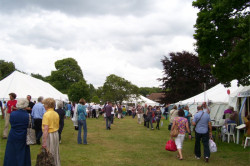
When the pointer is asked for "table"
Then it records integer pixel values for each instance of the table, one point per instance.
(217, 126)
(240, 127)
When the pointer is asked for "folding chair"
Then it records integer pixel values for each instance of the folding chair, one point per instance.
(230, 131)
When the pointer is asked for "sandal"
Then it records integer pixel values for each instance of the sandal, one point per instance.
(177, 156)
(180, 158)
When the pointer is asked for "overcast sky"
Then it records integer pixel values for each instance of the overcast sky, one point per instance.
(123, 37)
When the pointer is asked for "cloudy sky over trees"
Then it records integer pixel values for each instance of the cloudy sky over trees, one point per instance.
(123, 37)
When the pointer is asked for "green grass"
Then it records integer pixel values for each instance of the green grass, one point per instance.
(129, 143)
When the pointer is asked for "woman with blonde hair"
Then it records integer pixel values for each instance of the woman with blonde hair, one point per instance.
(50, 126)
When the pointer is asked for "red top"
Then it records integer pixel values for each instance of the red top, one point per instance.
(10, 104)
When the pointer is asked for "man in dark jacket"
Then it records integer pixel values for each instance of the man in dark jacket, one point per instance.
(61, 113)
(108, 110)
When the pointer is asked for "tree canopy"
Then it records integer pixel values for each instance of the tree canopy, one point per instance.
(6, 68)
(222, 38)
(148, 90)
(184, 76)
(117, 89)
(68, 72)
(79, 90)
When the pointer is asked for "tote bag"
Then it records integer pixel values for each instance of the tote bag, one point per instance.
(45, 158)
(171, 146)
(212, 146)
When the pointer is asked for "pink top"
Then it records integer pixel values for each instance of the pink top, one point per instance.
(181, 122)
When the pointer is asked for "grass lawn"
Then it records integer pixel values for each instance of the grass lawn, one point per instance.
(128, 143)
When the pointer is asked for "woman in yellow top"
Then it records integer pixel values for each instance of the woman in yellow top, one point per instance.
(50, 126)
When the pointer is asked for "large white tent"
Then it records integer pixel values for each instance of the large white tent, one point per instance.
(217, 97)
(141, 100)
(23, 85)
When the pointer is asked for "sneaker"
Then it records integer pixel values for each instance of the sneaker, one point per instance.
(206, 159)
(198, 158)
(152, 128)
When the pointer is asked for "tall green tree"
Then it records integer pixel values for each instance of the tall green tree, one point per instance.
(148, 90)
(184, 76)
(6, 68)
(92, 91)
(95, 99)
(67, 73)
(222, 38)
(79, 90)
(117, 89)
(39, 76)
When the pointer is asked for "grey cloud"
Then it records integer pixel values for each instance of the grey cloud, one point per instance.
(79, 7)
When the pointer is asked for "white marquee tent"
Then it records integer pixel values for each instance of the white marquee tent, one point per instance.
(23, 85)
(217, 97)
(142, 100)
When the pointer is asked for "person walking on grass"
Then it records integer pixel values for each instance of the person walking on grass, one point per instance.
(139, 114)
(182, 125)
(173, 114)
(61, 114)
(37, 113)
(119, 112)
(17, 152)
(11, 104)
(150, 117)
(108, 110)
(50, 126)
(158, 117)
(202, 122)
(81, 112)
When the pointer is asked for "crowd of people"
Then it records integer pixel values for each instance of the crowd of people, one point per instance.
(47, 118)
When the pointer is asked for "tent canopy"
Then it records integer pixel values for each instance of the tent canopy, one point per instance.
(143, 100)
(217, 97)
(23, 85)
(216, 94)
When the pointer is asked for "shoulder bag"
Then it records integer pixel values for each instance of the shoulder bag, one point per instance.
(198, 120)
(31, 136)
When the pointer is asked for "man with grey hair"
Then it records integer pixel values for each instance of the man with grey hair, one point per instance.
(61, 114)
(201, 122)
(37, 115)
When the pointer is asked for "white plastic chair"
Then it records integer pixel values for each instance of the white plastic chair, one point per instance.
(246, 142)
(230, 131)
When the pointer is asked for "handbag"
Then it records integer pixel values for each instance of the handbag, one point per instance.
(171, 146)
(175, 131)
(212, 146)
(45, 158)
(31, 136)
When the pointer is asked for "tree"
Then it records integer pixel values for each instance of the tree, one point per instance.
(95, 99)
(39, 76)
(92, 91)
(184, 76)
(79, 90)
(6, 68)
(68, 72)
(222, 38)
(117, 89)
(148, 90)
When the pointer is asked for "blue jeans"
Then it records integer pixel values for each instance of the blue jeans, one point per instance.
(108, 122)
(82, 124)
